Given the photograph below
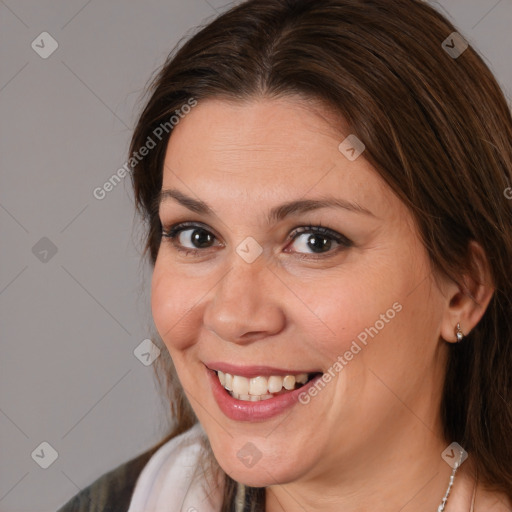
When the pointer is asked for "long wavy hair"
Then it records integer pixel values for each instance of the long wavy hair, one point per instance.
(438, 130)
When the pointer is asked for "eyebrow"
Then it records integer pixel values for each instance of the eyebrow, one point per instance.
(276, 214)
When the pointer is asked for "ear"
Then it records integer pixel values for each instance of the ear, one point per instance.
(466, 305)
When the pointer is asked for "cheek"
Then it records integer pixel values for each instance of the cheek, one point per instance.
(362, 308)
(382, 315)
(175, 308)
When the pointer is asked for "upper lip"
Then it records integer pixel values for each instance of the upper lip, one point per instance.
(254, 370)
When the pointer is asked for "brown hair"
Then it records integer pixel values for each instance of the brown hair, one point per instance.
(436, 128)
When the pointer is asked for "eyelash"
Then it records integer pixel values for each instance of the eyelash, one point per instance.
(172, 232)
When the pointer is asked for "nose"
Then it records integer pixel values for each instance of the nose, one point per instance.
(245, 305)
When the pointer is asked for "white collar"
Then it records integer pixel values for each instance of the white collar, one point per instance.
(173, 480)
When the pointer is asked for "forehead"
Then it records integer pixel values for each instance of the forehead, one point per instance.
(271, 149)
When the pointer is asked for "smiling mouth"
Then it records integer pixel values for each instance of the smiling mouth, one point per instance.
(261, 387)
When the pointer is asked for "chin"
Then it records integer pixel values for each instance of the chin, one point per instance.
(253, 468)
(259, 476)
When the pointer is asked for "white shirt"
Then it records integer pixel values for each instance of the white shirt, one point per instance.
(175, 480)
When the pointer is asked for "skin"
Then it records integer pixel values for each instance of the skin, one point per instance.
(371, 439)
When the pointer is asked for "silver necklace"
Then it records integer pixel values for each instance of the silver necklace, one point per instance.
(452, 478)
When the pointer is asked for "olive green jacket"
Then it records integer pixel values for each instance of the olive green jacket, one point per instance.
(112, 491)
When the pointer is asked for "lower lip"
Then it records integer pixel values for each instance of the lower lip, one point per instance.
(242, 410)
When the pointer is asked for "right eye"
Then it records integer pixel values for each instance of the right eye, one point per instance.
(198, 235)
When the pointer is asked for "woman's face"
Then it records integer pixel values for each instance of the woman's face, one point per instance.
(260, 301)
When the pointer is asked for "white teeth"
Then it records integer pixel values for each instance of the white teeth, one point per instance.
(289, 382)
(240, 385)
(228, 381)
(302, 378)
(259, 388)
(275, 384)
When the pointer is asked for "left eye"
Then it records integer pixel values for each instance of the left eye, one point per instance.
(320, 239)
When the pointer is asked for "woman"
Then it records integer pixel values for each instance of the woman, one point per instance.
(328, 220)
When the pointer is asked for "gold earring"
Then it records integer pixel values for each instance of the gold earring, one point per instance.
(459, 333)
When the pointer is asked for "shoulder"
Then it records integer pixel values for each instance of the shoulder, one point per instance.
(112, 491)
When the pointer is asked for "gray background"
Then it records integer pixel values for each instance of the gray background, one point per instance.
(70, 321)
